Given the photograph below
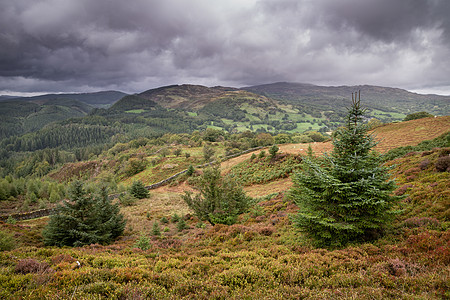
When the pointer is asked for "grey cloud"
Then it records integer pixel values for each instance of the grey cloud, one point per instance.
(136, 45)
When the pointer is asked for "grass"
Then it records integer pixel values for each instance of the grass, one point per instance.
(135, 111)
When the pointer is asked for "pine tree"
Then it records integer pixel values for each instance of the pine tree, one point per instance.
(346, 196)
(138, 190)
(84, 220)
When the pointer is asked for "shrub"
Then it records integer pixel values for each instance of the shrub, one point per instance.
(6, 241)
(138, 190)
(175, 218)
(190, 170)
(155, 229)
(177, 152)
(29, 265)
(164, 220)
(127, 199)
(208, 153)
(143, 242)
(135, 165)
(418, 115)
(262, 154)
(421, 222)
(273, 150)
(220, 200)
(443, 164)
(181, 225)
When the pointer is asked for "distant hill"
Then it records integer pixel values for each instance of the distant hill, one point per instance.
(19, 116)
(385, 99)
(186, 96)
(132, 102)
(6, 97)
(97, 99)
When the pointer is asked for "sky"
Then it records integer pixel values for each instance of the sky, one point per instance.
(135, 45)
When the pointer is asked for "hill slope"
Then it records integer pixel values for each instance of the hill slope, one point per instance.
(374, 97)
(97, 99)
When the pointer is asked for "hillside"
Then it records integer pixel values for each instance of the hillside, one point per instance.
(382, 101)
(261, 257)
(21, 117)
(186, 96)
(96, 99)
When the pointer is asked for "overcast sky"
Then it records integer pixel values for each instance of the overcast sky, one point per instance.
(135, 45)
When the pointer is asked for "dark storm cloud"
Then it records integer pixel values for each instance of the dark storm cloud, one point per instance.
(67, 45)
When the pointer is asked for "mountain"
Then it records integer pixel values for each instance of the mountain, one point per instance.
(385, 99)
(97, 99)
(133, 103)
(186, 96)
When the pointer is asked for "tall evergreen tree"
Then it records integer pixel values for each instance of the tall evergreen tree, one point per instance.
(86, 219)
(346, 196)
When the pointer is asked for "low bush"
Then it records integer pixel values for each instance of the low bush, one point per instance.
(29, 265)
(7, 241)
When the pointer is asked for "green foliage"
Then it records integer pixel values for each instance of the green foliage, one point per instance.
(208, 153)
(190, 170)
(418, 115)
(156, 231)
(164, 220)
(264, 170)
(138, 190)
(177, 152)
(262, 154)
(143, 242)
(86, 219)
(126, 199)
(441, 141)
(273, 150)
(175, 218)
(347, 197)
(220, 200)
(135, 165)
(11, 220)
(181, 225)
(7, 241)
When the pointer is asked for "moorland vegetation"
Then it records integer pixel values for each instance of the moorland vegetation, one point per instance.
(171, 248)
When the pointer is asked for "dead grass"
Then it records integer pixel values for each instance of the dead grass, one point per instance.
(161, 203)
(261, 190)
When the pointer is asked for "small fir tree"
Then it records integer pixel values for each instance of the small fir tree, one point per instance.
(220, 200)
(155, 229)
(273, 151)
(143, 242)
(181, 225)
(138, 190)
(86, 219)
(190, 171)
(345, 197)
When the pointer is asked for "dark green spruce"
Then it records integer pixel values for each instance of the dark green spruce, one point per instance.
(347, 196)
(84, 220)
